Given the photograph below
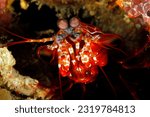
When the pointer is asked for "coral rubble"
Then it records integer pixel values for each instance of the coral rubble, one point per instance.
(137, 8)
(5, 94)
(14, 81)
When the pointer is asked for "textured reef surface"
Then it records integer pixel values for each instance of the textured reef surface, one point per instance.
(25, 75)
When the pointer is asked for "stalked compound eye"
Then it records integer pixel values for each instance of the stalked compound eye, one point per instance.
(62, 24)
(74, 22)
(69, 30)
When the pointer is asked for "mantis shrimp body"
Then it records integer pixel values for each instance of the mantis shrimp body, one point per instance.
(79, 47)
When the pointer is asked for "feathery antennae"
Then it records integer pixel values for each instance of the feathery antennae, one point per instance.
(26, 40)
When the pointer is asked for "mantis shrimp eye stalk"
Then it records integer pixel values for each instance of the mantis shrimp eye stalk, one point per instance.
(62, 24)
(74, 22)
